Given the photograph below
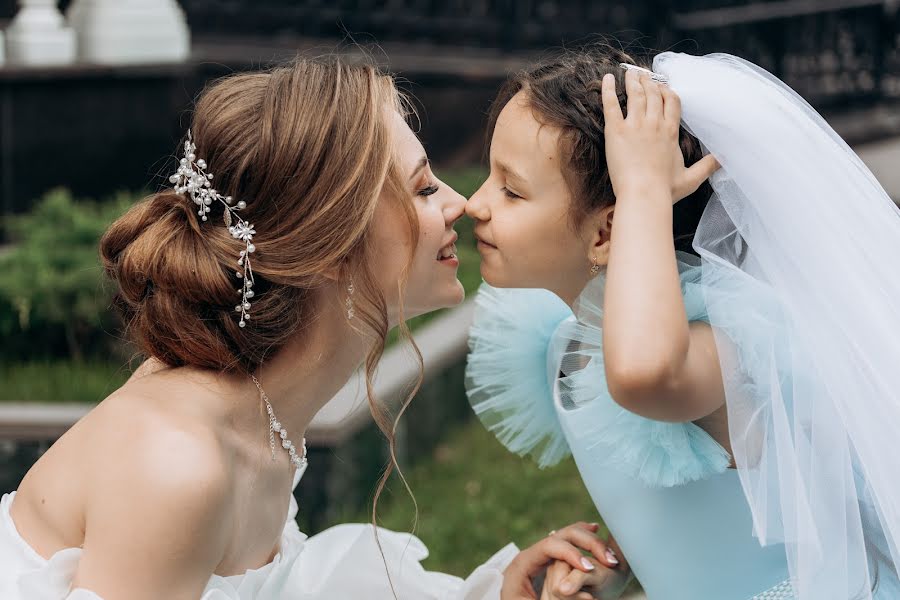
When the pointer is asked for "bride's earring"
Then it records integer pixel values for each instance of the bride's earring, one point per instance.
(595, 268)
(349, 301)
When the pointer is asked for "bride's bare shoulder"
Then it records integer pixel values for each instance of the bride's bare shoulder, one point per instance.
(150, 436)
(166, 481)
(155, 424)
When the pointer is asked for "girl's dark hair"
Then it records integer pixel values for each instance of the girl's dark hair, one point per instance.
(563, 91)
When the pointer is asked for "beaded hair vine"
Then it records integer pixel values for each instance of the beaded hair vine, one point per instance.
(192, 178)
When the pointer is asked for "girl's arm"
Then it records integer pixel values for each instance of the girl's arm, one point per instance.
(658, 365)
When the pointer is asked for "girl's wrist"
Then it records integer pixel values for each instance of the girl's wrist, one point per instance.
(655, 191)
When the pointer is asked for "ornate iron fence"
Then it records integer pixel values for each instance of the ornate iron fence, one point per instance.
(835, 53)
(508, 24)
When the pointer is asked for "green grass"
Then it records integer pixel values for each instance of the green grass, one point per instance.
(474, 496)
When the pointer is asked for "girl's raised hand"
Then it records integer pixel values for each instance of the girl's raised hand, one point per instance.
(642, 151)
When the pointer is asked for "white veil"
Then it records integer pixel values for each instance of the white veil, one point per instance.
(814, 399)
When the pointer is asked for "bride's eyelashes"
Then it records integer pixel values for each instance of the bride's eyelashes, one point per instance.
(509, 193)
(428, 190)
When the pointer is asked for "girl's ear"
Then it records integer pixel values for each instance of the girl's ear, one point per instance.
(599, 234)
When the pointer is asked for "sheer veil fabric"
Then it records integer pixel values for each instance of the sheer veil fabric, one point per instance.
(813, 388)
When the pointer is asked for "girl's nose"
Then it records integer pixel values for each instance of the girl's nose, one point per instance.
(477, 207)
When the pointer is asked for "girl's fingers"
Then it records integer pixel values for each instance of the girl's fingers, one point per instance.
(637, 99)
(570, 584)
(654, 98)
(701, 170)
(586, 540)
(555, 574)
(671, 107)
(612, 112)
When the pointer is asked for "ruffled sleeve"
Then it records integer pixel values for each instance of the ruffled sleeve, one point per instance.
(659, 454)
(506, 374)
(348, 561)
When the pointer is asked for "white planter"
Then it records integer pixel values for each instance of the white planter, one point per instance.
(116, 32)
(38, 35)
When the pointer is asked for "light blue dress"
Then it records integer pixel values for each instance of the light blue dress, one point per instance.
(536, 379)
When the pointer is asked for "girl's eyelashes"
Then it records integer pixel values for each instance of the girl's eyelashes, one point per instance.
(509, 193)
(427, 191)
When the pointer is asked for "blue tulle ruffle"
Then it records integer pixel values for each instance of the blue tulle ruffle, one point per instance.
(506, 374)
(659, 454)
(511, 388)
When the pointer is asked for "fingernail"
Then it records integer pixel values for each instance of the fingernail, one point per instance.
(587, 564)
(595, 524)
(611, 556)
(567, 588)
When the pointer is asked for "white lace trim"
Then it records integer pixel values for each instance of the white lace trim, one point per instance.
(782, 591)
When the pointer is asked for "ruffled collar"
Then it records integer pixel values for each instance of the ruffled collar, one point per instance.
(659, 454)
(520, 342)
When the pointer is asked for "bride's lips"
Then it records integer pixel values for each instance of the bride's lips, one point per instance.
(447, 253)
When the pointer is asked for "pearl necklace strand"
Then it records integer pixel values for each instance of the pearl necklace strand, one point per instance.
(275, 427)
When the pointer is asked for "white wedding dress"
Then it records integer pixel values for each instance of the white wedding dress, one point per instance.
(341, 562)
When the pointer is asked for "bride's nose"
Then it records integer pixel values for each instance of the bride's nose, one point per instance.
(454, 207)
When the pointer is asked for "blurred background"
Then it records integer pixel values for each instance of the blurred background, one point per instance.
(96, 94)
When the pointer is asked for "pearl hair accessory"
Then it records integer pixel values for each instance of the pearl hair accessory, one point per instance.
(192, 178)
(653, 76)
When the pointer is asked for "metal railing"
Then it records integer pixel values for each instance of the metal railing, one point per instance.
(835, 53)
(508, 24)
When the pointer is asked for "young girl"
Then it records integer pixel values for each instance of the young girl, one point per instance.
(733, 418)
(303, 221)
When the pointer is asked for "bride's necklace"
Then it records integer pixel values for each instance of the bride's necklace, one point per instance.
(275, 427)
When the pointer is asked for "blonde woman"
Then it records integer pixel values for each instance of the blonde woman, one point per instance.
(303, 223)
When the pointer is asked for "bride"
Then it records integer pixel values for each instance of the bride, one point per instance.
(303, 223)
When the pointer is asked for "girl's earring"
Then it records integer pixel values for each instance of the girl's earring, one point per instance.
(595, 268)
(349, 301)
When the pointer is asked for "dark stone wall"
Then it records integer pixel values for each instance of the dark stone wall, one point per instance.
(94, 130)
(97, 130)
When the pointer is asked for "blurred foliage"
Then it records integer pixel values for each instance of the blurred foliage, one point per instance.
(52, 298)
(62, 380)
